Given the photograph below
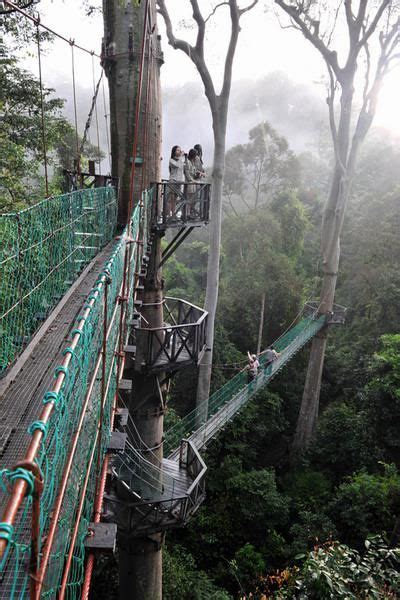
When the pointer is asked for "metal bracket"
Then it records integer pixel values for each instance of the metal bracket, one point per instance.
(102, 537)
(117, 442)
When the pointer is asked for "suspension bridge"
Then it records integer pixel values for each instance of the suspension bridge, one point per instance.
(88, 347)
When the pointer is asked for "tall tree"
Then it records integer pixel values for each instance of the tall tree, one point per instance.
(260, 169)
(372, 38)
(219, 103)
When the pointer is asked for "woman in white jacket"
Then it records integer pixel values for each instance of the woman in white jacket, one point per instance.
(176, 178)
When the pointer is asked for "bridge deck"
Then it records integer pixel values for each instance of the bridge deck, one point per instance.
(22, 390)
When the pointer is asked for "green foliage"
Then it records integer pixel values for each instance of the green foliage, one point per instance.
(337, 571)
(366, 503)
(342, 443)
(182, 580)
(248, 565)
(255, 261)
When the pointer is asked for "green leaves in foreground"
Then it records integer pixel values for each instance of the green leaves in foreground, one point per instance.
(337, 571)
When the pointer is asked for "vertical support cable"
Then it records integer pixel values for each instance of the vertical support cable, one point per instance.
(42, 106)
(106, 122)
(95, 111)
(103, 376)
(137, 114)
(78, 167)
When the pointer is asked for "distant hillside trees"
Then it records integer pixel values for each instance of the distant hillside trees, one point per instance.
(257, 171)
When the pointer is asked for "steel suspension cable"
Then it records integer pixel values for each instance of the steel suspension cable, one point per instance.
(106, 124)
(72, 43)
(45, 27)
(95, 93)
(42, 107)
(137, 110)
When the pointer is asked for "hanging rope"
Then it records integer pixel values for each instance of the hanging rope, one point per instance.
(106, 124)
(72, 43)
(95, 93)
(46, 178)
(92, 110)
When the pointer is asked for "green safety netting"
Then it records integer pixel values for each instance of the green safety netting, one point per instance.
(69, 408)
(237, 390)
(42, 251)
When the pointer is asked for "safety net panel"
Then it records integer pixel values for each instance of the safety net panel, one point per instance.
(42, 251)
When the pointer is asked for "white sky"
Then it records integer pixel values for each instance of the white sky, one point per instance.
(263, 47)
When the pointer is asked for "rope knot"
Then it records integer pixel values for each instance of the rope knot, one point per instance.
(39, 426)
(9, 476)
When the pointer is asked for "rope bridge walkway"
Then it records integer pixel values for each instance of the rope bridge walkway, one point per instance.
(45, 526)
(223, 405)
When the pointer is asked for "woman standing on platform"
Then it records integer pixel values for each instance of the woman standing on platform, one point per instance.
(190, 178)
(176, 179)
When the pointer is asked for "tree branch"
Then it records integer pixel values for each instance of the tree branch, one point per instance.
(195, 53)
(247, 8)
(212, 13)
(329, 56)
(201, 26)
(374, 23)
(173, 41)
(227, 80)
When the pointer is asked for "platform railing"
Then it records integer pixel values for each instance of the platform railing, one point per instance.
(337, 316)
(179, 342)
(178, 204)
(169, 507)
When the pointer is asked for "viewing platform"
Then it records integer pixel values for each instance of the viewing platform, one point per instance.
(177, 205)
(178, 343)
(143, 498)
(337, 316)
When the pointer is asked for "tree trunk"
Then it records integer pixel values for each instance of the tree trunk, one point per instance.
(332, 225)
(210, 305)
(261, 326)
(140, 558)
(123, 28)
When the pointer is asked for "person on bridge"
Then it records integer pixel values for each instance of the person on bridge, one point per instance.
(176, 179)
(270, 356)
(252, 367)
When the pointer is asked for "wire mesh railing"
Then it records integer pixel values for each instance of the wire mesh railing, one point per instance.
(42, 251)
(223, 404)
(70, 438)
